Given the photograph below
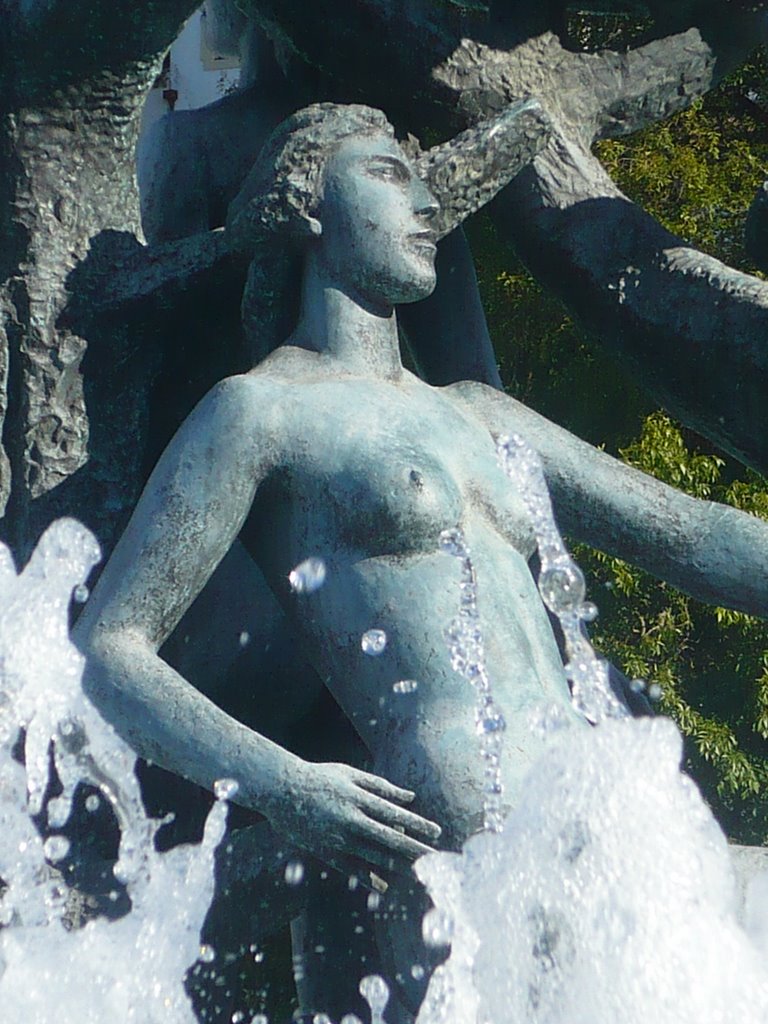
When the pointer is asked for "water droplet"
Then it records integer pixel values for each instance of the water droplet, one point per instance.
(308, 576)
(588, 611)
(237, 1017)
(655, 691)
(92, 802)
(81, 593)
(417, 972)
(373, 642)
(294, 872)
(207, 954)
(260, 1018)
(562, 587)
(374, 900)
(452, 542)
(405, 686)
(56, 848)
(437, 927)
(375, 991)
(491, 722)
(637, 685)
(321, 1018)
(244, 638)
(58, 811)
(353, 883)
(225, 789)
(550, 720)
(350, 1018)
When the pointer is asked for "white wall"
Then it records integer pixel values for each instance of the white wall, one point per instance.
(195, 85)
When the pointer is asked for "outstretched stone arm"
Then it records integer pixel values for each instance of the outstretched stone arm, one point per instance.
(188, 516)
(714, 553)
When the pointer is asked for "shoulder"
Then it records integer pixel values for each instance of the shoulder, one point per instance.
(241, 422)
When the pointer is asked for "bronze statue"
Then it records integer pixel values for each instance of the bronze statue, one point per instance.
(330, 449)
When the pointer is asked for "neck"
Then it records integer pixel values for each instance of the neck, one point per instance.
(346, 327)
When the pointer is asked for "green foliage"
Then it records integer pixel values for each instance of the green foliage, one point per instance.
(697, 174)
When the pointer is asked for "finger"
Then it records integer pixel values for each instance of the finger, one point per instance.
(391, 815)
(382, 787)
(369, 859)
(393, 842)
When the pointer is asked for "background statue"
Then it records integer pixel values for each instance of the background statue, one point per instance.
(329, 448)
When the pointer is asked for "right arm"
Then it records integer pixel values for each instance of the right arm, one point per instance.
(187, 518)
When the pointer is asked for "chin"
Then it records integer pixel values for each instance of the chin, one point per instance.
(416, 285)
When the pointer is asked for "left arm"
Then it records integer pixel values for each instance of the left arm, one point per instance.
(715, 553)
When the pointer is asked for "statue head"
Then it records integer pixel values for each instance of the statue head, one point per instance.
(334, 178)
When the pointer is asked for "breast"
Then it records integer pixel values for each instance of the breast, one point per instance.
(396, 502)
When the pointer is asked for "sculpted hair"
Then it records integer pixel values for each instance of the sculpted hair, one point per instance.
(284, 187)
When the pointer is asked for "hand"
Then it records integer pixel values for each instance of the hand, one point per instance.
(352, 818)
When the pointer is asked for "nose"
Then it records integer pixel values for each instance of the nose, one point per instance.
(424, 203)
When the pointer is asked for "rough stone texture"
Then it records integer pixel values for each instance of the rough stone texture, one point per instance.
(467, 172)
(73, 82)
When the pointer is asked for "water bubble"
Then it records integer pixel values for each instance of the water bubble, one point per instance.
(245, 638)
(637, 685)
(373, 641)
(92, 802)
(56, 848)
(206, 953)
(81, 593)
(58, 811)
(490, 723)
(437, 927)
(417, 972)
(237, 1017)
(260, 1018)
(308, 576)
(353, 883)
(375, 991)
(452, 542)
(562, 587)
(547, 721)
(374, 900)
(225, 789)
(588, 611)
(321, 1018)
(294, 872)
(405, 686)
(350, 1018)
(655, 691)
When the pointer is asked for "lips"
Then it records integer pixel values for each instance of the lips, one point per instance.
(424, 241)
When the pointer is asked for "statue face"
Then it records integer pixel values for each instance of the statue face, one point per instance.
(375, 216)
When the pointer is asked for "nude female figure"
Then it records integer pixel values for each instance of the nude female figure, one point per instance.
(330, 448)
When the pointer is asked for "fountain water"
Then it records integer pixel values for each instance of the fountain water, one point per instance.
(130, 969)
(608, 894)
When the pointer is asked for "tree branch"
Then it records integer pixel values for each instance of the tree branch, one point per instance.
(690, 329)
(63, 42)
(652, 82)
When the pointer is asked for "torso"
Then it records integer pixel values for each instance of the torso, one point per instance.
(374, 471)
